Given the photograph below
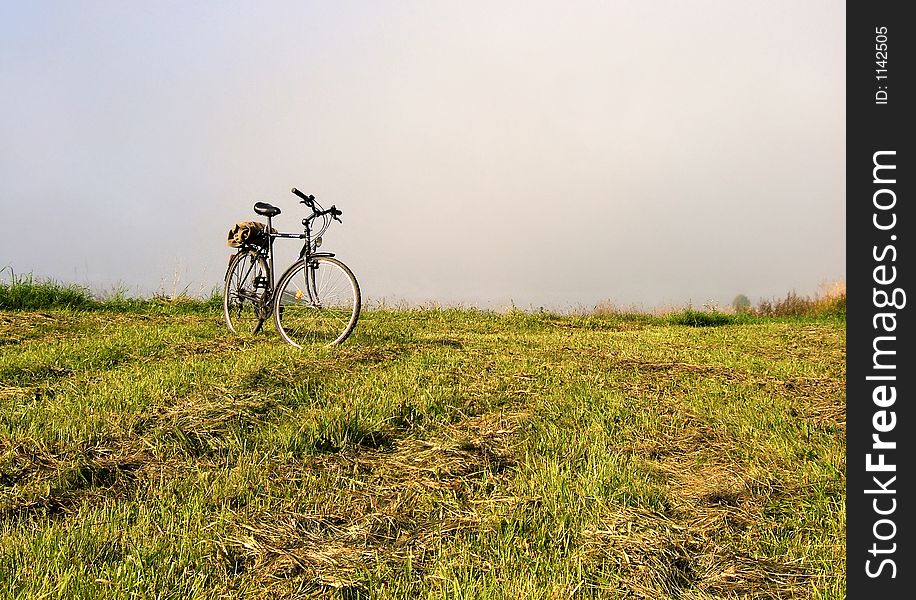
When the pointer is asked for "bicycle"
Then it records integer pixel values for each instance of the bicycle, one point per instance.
(317, 299)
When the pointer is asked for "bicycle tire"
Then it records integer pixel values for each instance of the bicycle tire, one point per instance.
(323, 311)
(246, 293)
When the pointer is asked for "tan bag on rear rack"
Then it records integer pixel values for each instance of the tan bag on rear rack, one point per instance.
(248, 232)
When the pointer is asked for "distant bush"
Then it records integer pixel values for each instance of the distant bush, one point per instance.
(792, 305)
(741, 304)
(830, 302)
(24, 293)
(832, 306)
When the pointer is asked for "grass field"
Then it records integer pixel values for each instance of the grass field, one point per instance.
(147, 453)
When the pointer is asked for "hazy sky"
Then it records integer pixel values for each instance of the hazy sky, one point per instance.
(543, 153)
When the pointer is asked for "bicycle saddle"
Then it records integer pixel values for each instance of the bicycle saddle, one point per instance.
(268, 210)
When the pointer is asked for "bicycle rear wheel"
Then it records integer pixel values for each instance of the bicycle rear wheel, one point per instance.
(317, 302)
(246, 293)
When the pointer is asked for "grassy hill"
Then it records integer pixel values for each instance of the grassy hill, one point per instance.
(145, 452)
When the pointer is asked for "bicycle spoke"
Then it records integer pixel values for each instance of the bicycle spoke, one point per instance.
(243, 306)
(318, 303)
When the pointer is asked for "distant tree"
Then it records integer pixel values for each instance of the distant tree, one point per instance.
(741, 304)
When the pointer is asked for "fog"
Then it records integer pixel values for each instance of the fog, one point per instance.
(534, 153)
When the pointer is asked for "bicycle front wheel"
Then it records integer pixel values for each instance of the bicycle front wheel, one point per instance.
(246, 293)
(318, 302)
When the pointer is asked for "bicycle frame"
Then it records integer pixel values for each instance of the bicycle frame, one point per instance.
(306, 253)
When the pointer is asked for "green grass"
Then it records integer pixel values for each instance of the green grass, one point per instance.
(23, 292)
(145, 452)
(697, 318)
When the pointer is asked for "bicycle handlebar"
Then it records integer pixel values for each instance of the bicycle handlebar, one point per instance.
(310, 202)
(307, 200)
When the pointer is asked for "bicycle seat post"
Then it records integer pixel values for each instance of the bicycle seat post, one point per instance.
(270, 252)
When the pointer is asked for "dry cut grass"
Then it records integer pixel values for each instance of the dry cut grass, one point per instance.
(439, 454)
